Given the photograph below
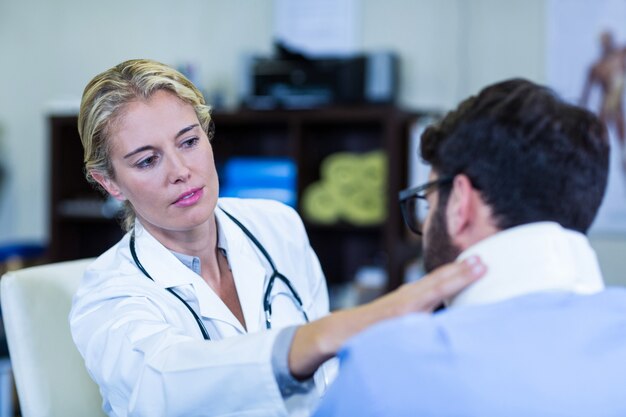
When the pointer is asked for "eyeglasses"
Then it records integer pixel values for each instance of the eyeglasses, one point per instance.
(412, 212)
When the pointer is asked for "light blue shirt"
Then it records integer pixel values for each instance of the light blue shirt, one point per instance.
(549, 354)
(536, 336)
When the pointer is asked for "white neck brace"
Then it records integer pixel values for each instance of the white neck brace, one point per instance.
(535, 257)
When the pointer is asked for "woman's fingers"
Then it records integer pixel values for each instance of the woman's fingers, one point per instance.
(315, 342)
(447, 281)
(441, 284)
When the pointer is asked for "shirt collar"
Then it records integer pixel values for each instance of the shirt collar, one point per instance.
(535, 257)
(193, 262)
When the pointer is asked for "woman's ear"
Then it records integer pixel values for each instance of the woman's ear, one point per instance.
(108, 184)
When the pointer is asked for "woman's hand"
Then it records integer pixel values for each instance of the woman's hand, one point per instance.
(432, 290)
(318, 341)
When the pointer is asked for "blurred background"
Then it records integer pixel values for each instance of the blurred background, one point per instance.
(305, 94)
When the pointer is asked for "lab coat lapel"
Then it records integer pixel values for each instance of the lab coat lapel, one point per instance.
(168, 272)
(247, 268)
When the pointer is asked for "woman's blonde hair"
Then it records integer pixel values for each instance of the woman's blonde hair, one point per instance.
(105, 98)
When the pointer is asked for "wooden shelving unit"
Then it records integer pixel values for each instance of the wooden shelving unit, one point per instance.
(79, 229)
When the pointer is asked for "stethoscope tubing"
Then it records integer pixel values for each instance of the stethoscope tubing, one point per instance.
(267, 305)
(133, 253)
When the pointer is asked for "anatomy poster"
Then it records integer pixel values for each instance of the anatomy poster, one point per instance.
(586, 64)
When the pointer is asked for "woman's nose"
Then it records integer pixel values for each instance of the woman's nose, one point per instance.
(178, 169)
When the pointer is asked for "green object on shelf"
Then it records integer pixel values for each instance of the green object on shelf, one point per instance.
(340, 167)
(352, 188)
(365, 208)
(374, 169)
(319, 205)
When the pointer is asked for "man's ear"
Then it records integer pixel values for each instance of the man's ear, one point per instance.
(108, 184)
(460, 210)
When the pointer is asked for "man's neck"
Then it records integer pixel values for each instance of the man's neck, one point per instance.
(536, 257)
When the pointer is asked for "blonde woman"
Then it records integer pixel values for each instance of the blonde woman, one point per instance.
(206, 306)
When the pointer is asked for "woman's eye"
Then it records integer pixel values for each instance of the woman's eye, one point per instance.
(191, 142)
(146, 162)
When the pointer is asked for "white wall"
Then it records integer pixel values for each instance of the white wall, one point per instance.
(452, 48)
(50, 49)
(503, 39)
(426, 34)
(610, 251)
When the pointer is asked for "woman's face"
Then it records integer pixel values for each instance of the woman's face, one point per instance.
(163, 164)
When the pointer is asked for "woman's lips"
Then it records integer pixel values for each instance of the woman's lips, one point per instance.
(189, 198)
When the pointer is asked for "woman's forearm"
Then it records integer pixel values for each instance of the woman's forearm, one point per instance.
(318, 341)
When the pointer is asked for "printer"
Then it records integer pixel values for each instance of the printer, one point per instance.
(293, 81)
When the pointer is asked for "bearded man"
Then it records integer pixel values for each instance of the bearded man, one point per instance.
(517, 177)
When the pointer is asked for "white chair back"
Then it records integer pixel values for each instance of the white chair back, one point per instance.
(50, 374)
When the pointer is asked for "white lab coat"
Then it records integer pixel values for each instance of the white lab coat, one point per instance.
(144, 348)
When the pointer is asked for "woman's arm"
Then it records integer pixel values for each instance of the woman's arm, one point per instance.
(318, 341)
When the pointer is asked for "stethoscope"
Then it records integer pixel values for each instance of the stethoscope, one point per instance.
(267, 299)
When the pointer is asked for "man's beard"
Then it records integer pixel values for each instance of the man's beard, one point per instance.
(438, 248)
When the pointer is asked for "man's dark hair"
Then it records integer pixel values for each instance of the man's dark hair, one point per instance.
(532, 156)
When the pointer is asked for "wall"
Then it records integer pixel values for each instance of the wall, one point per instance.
(426, 35)
(452, 48)
(49, 50)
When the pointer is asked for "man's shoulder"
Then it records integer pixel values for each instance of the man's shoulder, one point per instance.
(540, 339)
(408, 335)
(508, 322)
